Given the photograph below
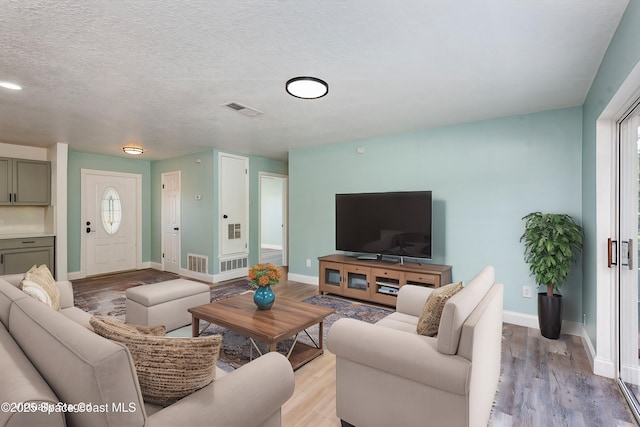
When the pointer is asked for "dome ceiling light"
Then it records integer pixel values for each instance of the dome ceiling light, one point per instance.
(133, 150)
(307, 87)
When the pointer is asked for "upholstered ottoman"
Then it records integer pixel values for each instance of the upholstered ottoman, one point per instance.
(165, 303)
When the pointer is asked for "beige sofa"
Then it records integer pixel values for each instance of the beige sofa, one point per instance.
(387, 375)
(49, 359)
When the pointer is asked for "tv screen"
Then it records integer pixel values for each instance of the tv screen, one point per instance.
(393, 223)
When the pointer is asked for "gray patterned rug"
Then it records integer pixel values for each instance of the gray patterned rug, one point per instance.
(236, 348)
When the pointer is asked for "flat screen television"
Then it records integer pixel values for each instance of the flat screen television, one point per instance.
(391, 223)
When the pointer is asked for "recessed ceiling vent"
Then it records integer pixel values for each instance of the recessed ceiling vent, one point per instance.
(242, 109)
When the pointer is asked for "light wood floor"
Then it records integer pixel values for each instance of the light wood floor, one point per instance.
(543, 382)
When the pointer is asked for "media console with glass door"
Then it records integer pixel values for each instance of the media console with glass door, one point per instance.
(376, 281)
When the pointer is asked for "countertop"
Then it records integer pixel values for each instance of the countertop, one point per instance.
(25, 235)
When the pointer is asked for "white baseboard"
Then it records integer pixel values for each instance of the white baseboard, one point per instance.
(234, 274)
(309, 280)
(270, 246)
(531, 321)
(156, 265)
(76, 275)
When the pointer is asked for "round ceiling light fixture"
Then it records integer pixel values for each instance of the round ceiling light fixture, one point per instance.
(307, 87)
(133, 150)
(9, 85)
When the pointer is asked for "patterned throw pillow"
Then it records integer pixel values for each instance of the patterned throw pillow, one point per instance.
(430, 318)
(168, 368)
(43, 277)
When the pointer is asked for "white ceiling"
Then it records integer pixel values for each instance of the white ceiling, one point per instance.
(97, 74)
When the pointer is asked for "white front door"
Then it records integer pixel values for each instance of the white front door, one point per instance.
(234, 211)
(171, 221)
(111, 221)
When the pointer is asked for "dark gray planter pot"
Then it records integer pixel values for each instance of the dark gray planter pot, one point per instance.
(550, 315)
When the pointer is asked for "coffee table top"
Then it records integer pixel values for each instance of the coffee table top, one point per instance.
(239, 313)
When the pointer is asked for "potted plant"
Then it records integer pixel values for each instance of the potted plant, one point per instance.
(551, 244)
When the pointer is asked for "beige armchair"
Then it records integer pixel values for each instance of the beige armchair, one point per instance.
(386, 374)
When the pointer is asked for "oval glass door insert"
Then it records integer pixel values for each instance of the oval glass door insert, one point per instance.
(111, 210)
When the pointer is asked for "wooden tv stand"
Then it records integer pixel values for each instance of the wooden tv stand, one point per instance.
(376, 281)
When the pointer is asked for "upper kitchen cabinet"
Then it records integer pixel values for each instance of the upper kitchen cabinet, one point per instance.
(25, 182)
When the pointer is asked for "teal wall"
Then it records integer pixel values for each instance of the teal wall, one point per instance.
(78, 161)
(256, 165)
(621, 57)
(485, 177)
(197, 219)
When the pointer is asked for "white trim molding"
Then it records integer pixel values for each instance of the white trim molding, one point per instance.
(309, 280)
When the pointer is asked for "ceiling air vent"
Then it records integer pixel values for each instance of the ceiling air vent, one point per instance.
(242, 109)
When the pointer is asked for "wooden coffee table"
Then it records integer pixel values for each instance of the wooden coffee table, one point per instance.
(287, 318)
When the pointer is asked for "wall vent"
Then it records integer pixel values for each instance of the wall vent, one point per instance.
(233, 264)
(242, 109)
(197, 263)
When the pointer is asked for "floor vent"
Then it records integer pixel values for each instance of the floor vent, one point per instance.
(197, 263)
(233, 264)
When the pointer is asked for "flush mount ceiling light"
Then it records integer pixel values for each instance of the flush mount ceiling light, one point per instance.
(132, 149)
(9, 85)
(307, 87)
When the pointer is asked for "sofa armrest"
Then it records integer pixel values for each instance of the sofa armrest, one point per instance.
(66, 293)
(245, 397)
(411, 299)
(400, 353)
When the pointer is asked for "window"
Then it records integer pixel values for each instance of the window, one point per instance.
(111, 210)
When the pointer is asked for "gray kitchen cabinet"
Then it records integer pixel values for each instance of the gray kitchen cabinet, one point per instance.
(19, 255)
(25, 182)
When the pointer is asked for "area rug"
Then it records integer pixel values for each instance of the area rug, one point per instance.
(236, 348)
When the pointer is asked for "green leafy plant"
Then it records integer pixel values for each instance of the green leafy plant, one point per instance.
(551, 245)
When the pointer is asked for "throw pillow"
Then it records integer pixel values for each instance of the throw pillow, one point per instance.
(43, 277)
(168, 368)
(429, 320)
(158, 331)
(35, 291)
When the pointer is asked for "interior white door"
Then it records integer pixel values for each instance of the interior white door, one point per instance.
(628, 298)
(171, 221)
(110, 226)
(234, 205)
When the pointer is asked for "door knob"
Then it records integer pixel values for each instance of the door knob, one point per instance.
(225, 216)
(176, 228)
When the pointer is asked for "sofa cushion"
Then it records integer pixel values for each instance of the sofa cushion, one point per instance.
(168, 368)
(42, 277)
(77, 364)
(429, 320)
(21, 383)
(399, 321)
(459, 307)
(8, 294)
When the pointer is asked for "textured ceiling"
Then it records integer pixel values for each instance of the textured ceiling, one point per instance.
(98, 74)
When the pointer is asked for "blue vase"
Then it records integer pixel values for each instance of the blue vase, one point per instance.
(264, 297)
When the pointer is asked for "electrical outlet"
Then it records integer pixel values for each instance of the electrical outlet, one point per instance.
(526, 291)
(308, 262)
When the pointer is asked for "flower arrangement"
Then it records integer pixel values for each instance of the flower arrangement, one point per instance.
(264, 275)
